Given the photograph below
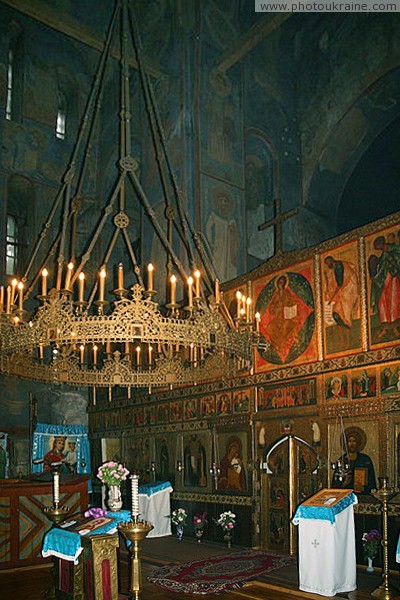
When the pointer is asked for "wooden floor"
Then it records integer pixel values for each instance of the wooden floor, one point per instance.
(31, 584)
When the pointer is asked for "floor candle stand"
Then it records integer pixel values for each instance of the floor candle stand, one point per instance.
(135, 531)
(56, 515)
(385, 591)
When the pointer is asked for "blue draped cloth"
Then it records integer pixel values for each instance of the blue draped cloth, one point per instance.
(151, 488)
(67, 544)
(324, 513)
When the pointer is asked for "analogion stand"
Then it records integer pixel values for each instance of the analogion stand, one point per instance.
(327, 552)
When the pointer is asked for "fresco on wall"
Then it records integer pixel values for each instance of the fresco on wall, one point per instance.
(296, 393)
(363, 383)
(221, 225)
(341, 300)
(383, 260)
(336, 387)
(285, 302)
(390, 380)
(233, 475)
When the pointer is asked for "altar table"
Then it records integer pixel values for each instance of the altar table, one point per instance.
(155, 507)
(327, 553)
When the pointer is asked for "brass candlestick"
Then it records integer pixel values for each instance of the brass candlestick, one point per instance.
(385, 591)
(56, 515)
(135, 531)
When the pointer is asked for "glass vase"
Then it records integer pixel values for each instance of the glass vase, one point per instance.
(228, 535)
(179, 532)
(370, 568)
(199, 533)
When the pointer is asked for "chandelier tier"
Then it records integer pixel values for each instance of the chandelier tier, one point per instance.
(78, 332)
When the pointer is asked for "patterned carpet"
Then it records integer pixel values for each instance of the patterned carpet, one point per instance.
(220, 573)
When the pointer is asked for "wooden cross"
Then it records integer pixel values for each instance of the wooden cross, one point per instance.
(277, 223)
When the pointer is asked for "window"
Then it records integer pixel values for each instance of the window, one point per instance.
(12, 245)
(61, 116)
(10, 68)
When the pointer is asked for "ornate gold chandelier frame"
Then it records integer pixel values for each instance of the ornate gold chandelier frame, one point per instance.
(130, 341)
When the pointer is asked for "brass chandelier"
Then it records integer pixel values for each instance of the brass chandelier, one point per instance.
(87, 335)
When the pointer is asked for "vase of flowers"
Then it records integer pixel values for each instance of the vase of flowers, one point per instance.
(178, 518)
(227, 522)
(113, 474)
(371, 542)
(199, 522)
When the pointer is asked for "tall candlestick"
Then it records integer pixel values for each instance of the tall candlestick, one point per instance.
(120, 276)
(81, 286)
(197, 280)
(44, 281)
(56, 488)
(20, 295)
(173, 289)
(68, 275)
(95, 350)
(14, 284)
(8, 310)
(190, 291)
(150, 270)
(102, 283)
(135, 496)
(238, 300)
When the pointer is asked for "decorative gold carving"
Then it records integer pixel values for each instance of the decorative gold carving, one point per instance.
(98, 548)
(213, 498)
(363, 294)
(318, 306)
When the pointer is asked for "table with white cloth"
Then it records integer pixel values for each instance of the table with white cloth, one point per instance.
(155, 506)
(327, 551)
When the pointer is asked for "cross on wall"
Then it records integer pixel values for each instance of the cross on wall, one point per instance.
(277, 223)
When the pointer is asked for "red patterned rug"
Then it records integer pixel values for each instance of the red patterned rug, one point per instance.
(220, 573)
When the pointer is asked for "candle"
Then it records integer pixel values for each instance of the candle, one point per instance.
(127, 348)
(217, 292)
(81, 286)
(8, 299)
(14, 284)
(238, 300)
(257, 315)
(44, 281)
(41, 351)
(82, 352)
(150, 354)
(2, 298)
(20, 295)
(150, 269)
(108, 347)
(56, 488)
(95, 350)
(137, 356)
(190, 291)
(135, 496)
(173, 289)
(197, 278)
(102, 283)
(248, 306)
(68, 275)
(120, 276)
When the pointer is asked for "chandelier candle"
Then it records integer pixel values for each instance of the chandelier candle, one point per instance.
(197, 279)
(8, 309)
(14, 284)
(44, 281)
(102, 284)
(56, 488)
(20, 296)
(190, 291)
(173, 289)
(1, 298)
(81, 287)
(150, 270)
(120, 276)
(135, 497)
(68, 276)
(238, 300)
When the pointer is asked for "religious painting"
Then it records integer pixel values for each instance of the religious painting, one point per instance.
(224, 403)
(363, 383)
(383, 266)
(164, 458)
(242, 400)
(207, 406)
(115, 418)
(163, 413)
(138, 415)
(221, 218)
(4, 457)
(137, 455)
(390, 380)
(295, 393)
(190, 409)
(127, 417)
(341, 300)
(195, 451)
(356, 444)
(233, 450)
(111, 449)
(175, 411)
(285, 302)
(336, 387)
(150, 414)
(287, 426)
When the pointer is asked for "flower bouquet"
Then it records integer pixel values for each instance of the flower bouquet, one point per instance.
(227, 522)
(112, 473)
(371, 542)
(178, 518)
(199, 522)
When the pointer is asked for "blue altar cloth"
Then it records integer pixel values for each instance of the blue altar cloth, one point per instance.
(67, 544)
(151, 488)
(324, 513)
